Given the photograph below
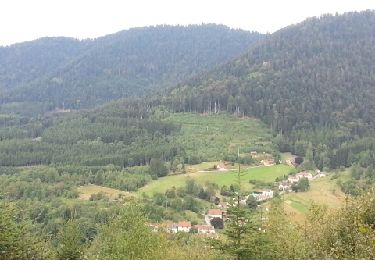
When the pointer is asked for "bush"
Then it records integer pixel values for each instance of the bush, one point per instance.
(158, 168)
(217, 223)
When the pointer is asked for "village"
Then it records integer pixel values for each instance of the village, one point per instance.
(287, 184)
(215, 218)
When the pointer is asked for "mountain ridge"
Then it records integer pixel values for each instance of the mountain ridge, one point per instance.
(130, 62)
(299, 58)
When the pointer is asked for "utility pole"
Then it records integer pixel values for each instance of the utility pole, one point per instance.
(166, 204)
(238, 201)
(239, 171)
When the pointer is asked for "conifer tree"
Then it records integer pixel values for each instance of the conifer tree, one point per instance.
(70, 242)
(238, 228)
(16, 238)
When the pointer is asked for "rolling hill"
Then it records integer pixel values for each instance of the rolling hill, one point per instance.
(316, 73)
(77, 74)
(312, 83)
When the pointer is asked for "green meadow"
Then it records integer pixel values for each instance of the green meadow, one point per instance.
(323, 191)
(263, 173)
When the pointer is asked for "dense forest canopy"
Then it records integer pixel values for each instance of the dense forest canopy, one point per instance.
(316, 73)
(310, 82)
(313, 83)
(126, 134)
(64, 72)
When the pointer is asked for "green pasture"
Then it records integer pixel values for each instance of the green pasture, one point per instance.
(264, 173)
(323, 191)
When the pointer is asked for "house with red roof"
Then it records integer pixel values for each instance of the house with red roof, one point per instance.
(173, 228)
(184, 226)
(215, 213)
(204, 229)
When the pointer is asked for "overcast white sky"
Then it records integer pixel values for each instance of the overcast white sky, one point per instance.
(22, 20)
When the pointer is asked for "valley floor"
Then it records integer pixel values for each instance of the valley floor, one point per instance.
(263, 173)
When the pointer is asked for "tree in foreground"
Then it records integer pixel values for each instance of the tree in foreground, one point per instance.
(348, 233)
(70, 242)
(286, 239)
(243, 237)
(345, 233)
(16, 238)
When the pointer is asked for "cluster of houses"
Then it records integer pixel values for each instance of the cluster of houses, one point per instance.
(262, 195)
(258, 196)
(186, 226)
(220, 212)
(182, 226)
(286, 185)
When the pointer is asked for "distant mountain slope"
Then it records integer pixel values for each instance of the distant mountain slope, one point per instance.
(128, 63)
(24, 62)
(319, 73)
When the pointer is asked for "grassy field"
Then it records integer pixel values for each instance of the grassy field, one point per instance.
(323, 191)
(210, 137)
(263, 173)
(85, 192)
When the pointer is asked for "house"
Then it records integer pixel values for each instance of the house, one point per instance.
(215, 213)
(243, 200)
(319, 175)
(263, 195)
(307, 175)
(205, 229)
(172, 228)
(284, 186)
(223, 205)
(266, 64)
(184, 226)
(268, 162)
(253, 153)
(293, 179)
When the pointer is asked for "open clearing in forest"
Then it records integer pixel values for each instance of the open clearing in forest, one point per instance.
(263, 173)
(213, 136)
(86, 191)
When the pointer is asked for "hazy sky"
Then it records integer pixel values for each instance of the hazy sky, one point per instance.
(22, 20)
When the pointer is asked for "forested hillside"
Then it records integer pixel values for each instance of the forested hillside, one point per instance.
(313, 83)
(24, 62)
(114, 181)
(76, 74)
(126, 135)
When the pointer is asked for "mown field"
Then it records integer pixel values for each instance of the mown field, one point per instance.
(85, 192)
(323, 191)
(263, 173)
